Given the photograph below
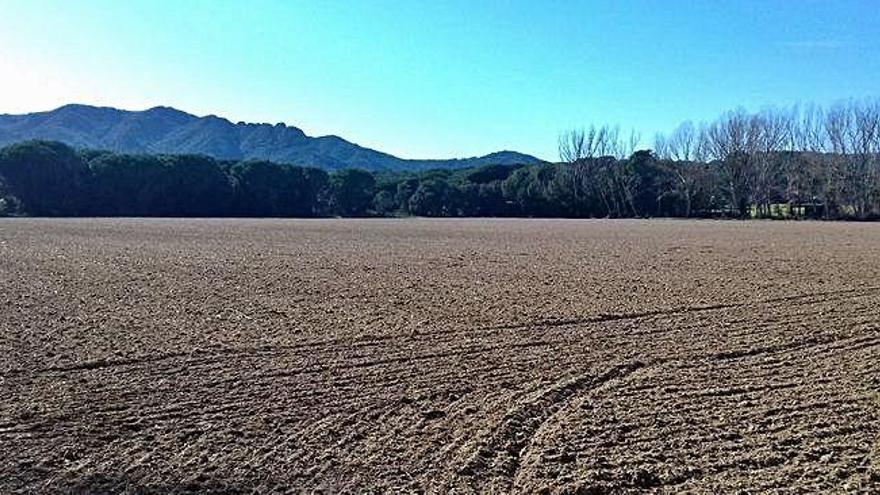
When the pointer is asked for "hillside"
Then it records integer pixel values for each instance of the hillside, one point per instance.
(168, 130)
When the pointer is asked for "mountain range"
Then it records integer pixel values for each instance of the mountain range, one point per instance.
(171, 131)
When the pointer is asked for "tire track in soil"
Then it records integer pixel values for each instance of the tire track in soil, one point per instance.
(746, 389)
(732, 355)
(331, 344)
(686, 310)
(492, 468)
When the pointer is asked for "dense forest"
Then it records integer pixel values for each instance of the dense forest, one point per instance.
(790, 163)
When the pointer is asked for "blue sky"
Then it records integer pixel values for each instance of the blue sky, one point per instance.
(436, 79)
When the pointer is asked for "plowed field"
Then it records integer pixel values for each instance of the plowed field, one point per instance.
(486, 356)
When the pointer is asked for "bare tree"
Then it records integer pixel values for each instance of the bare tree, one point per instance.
(632, 144)
(838, 128)
(769, 129)
(661, 147)
(731, 140)
(682, 142)
(838, 124)
(681, 149)
(864, 143)
(815, 171)
(813, 159)
(572, 146)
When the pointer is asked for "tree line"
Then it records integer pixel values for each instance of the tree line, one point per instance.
(52, 179)
(800, 161)
(797, 162)
(808, 158)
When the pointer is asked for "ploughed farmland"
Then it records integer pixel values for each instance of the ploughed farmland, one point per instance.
(438, 355)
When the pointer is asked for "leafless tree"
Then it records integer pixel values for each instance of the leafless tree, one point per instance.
(864, 143)
(632, 144)
(769, 130)
(661, 147)
(681, 150)
(577, 145)
(731, 140)
(572, 146)
(812, 158)
(682, 143)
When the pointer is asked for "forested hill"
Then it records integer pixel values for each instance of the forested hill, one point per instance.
(170, 131)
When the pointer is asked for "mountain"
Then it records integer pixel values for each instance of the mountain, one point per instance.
(168, 130)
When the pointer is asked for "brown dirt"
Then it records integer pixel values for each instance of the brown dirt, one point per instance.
(439, 355)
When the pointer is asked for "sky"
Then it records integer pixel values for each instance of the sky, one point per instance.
(440, 79)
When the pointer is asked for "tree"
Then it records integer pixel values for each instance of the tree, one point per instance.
(351, 192)
(644, 183)
(128, 185)
(433, 198)
(384, 203)
(194, 186)
(731, 140)
(266, 189)
(9, 204)
(527, 189)
(682, 144)
(865, 143)
(405, 189)
(48, 178)
(770, 129)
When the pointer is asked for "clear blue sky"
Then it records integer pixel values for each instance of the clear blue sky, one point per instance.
(439, 78)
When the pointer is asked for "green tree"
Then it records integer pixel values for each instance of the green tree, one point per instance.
(527, 189)
(433, 198)
(193, 185)
(128, 185)
(384, 202)
(48, 178)
(9, 204)
(266, 189)
(351, 192)
(405, 189)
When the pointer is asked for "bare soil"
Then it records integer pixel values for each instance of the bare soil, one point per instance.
(438, 355)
